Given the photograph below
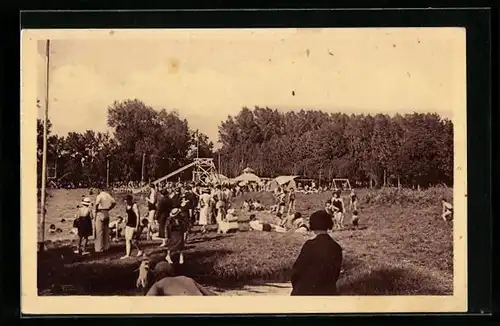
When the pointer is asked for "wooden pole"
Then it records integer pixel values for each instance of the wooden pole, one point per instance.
(197, 144)
(107, 173)
(143, 167)
(44, 155)
(219, 163)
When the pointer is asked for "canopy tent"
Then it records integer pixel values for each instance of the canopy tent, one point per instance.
(219, 178)
(247, 177)
(248, 170)
(286, 181)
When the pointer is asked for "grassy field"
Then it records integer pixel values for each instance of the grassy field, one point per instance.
(403, 248)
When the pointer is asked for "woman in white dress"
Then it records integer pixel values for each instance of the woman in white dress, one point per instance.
(204, 210)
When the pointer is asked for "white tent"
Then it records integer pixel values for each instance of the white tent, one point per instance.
(286, 181)
(247, 177)
(248, 170)
(216, 178)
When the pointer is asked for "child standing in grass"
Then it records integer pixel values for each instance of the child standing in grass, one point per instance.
(317, 269)
(83, 223)
(355, 219)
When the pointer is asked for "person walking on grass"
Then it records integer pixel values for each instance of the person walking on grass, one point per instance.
(165, 205)
(177, 229)
(151, 201)
(103, 204)
(291, 201)
(317, 268)
(338, 209)
(83, 224)
(447, 210)
(132, 227)
(204, 203)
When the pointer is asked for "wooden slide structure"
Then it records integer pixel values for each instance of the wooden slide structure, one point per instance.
(204, 169)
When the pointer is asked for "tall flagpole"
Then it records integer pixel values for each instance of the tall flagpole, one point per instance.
(44, 155)
(197, 144)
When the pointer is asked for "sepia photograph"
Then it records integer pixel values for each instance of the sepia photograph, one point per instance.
(272, 170)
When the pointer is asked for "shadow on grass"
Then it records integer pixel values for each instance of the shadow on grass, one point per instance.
(76, 276)
(60, 272)
(201, 239)
(392, 281)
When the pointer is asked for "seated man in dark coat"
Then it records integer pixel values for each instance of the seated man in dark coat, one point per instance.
(168, 284)
(317, 268)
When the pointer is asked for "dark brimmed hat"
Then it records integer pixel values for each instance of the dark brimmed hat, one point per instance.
(174, 212)
(320, 221)
(163, 269)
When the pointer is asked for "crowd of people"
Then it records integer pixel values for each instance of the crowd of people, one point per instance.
(173, 208)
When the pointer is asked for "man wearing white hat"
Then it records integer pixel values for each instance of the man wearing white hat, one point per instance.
(83, 224)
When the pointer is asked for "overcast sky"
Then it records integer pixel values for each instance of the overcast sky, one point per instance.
(209, 74)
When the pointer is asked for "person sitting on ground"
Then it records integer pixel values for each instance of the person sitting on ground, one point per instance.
(328, 208)
(83, 220)
(132, 227)
(185, 216)
(245, 207)
(288, 221)
(291, 201)
(257, 225)
(151, 200)
(257, 205)
(447, 210)
(355, 219)
(317, 268)
(116, 228)
(168, 282)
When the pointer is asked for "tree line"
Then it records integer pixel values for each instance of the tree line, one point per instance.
(411, 150)
(159, 138)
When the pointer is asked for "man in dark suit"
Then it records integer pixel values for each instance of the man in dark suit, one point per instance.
(165, 205)
(317, 268)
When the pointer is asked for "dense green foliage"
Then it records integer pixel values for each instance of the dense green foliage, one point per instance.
(411, 150)
(416, 149)
(165, 141)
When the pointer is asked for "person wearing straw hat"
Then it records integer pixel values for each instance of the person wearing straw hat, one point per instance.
(177, 227)
(317, 268)
(83, 224)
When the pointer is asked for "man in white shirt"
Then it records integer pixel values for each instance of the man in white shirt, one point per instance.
(104, 202)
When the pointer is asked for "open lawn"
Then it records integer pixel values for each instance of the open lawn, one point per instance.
(403, 248)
